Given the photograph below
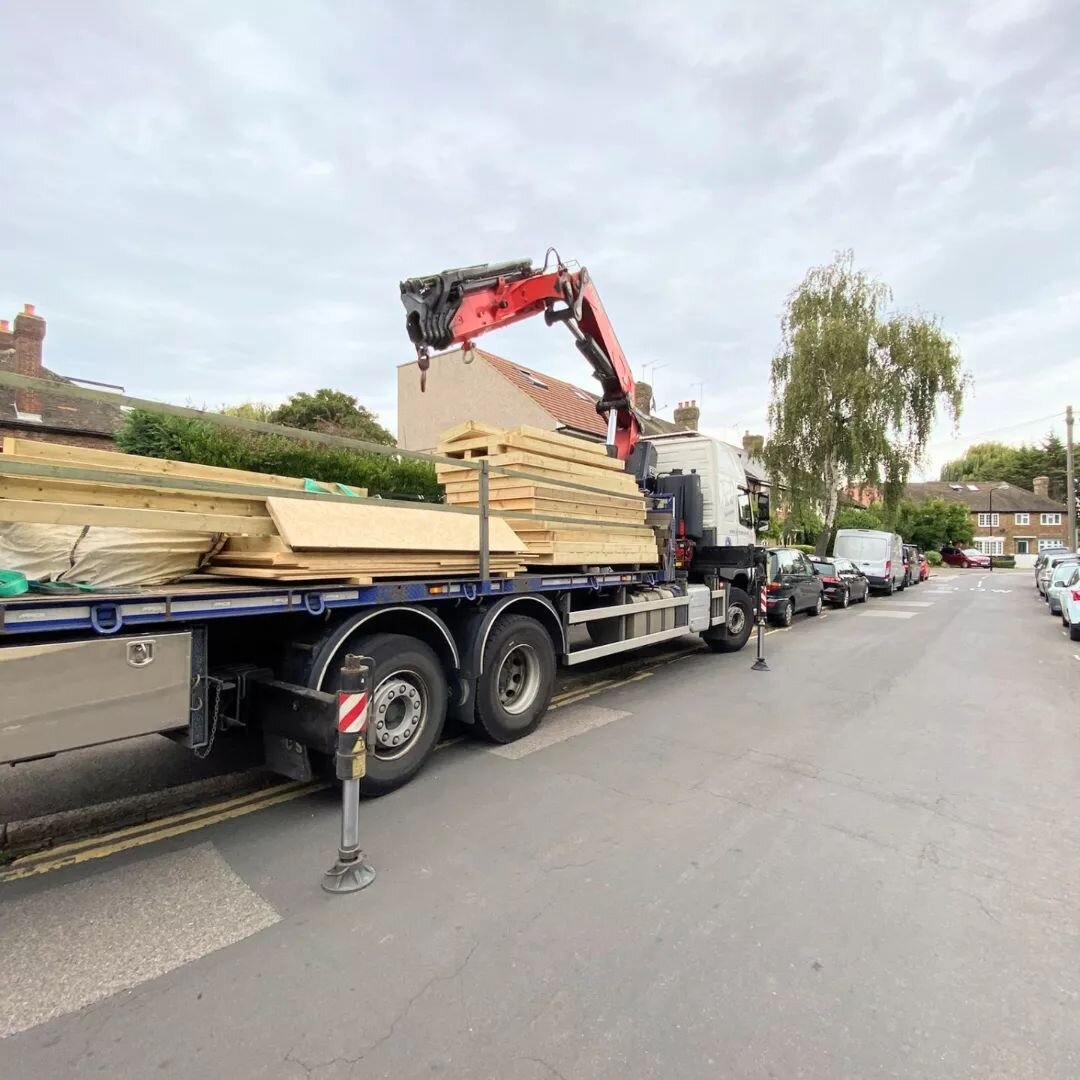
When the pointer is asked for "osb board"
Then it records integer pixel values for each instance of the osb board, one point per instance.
(310, 525)
(516, 487)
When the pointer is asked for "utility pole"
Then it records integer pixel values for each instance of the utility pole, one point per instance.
(1070, 479)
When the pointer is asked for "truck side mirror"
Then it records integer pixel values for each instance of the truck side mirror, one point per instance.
(763, 508)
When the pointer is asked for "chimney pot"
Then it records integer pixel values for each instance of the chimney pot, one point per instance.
(28, 309)
(1041, 486)
(5, 326)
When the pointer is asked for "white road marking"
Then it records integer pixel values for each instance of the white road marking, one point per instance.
(877, 614)
(565, 724)
(70, 946)
(911, 603)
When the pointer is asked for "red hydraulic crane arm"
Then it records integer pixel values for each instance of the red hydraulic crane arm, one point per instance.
(456, 306)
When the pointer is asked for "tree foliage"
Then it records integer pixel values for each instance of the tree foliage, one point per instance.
(934, 523)
(331, 411)
(250, 410)
(1017, 465)
(182, 439)
(855, 389)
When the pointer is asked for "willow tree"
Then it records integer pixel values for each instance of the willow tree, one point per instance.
(855, 390)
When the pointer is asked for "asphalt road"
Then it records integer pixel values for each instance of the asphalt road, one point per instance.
(862, 863)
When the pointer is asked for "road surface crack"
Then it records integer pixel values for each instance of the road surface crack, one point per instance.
(311, 1068)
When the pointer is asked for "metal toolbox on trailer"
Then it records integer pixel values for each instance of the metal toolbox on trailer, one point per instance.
(62, 695)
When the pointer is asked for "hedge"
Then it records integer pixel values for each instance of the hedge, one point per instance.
(806, 549)
(933, 557)
(1005, 562)
(181, 439)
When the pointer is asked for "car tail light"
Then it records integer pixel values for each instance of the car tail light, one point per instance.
(1075, 595)
(773, 586)
(831, 580)
(888, 568)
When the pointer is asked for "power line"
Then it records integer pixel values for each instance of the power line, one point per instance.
(999, 430)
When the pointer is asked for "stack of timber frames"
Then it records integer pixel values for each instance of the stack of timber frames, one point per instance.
(554, 477)
(339, 534)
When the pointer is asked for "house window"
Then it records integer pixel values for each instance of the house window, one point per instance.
(1021, 545)
(1045, 544)
(1049, 519)
(990, 545)
(989, 521)
(1022, 519)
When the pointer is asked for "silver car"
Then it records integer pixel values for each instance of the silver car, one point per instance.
(1052, 561)
(1058, 580)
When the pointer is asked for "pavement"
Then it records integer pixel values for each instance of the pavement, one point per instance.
(862, 863)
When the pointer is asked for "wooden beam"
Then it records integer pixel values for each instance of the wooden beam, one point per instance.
(44, 513)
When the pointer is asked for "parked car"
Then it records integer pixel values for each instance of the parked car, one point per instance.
(1060, 575)
(792, 587)
(1053, 558)
(964, 557)
(842, 581)
(911, 563)
(924, 567)
(879, 555)
(1040, 560)
(1070, 604)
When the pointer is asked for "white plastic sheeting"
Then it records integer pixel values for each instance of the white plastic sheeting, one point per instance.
(103, 557)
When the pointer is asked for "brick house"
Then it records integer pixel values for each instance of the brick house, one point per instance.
(1008, 520)
(499, 392)
(47, 415)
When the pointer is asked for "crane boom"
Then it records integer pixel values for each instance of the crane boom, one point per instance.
(456, 306)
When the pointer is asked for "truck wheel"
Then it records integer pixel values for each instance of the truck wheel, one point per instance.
(518, 679)
(408, 707)
(736, 631)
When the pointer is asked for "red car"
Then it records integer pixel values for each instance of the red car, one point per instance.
(965, 557)
(924, 567)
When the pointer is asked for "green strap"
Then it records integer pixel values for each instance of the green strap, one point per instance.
(12, 583)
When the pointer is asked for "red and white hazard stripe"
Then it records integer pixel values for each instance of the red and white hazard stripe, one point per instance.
(352, 713)
(764, 598)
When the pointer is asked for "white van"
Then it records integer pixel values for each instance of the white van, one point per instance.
(879, 555)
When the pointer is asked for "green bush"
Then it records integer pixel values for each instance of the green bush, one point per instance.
(1005, 562)
(181, 439)
(806, 549)
(933, 557)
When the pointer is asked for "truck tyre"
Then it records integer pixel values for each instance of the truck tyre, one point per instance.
(736, 631)
(518, 679)
(408, 707)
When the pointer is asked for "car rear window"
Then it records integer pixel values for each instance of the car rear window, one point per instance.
(865, 548)
(826, 569)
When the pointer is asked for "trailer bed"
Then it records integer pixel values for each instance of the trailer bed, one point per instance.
(196, 600)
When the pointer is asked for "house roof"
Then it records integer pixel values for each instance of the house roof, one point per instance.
(975, 495)
(569, 405)
(60, 412)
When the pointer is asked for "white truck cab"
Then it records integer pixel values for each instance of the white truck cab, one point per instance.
(726, 505)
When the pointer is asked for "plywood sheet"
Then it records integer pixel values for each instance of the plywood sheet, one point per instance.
(329, 526)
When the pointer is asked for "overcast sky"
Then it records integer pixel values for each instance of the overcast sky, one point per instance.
(213, 203)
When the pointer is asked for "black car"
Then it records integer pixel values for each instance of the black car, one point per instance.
(793, 586)
(843, 582)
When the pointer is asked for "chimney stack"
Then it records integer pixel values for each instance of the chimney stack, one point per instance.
(28, 335)
(643, 398)
(687, 415)
(753, 445)
(1041, 486)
